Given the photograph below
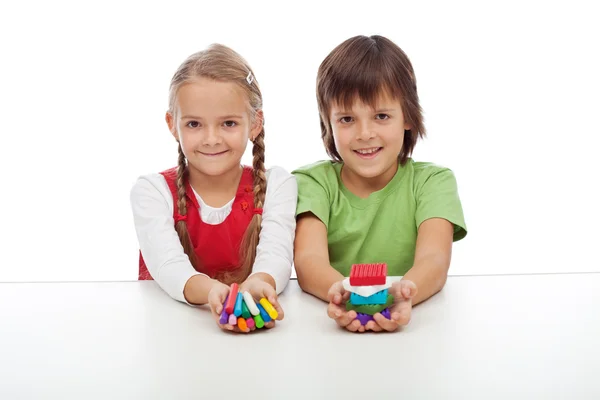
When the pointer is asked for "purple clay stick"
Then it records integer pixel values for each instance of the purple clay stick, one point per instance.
(224, 316)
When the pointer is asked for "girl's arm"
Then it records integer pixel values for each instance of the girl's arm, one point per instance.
(311, 258)
(432, 258)
(169, 266)
(275, 251)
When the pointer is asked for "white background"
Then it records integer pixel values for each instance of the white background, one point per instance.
(510, 93)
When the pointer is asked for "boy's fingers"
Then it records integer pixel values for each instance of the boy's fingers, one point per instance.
(346, 318)
(384, 323)
(353, 326)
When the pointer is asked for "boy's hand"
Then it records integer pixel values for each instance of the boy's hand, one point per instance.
(259, 288)
(336, 309)
(403, 292)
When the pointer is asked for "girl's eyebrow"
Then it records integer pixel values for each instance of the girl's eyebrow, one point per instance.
(385, 110)
(231, 116)
(190, 117)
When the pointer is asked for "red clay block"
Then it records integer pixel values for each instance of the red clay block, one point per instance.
(368, 274)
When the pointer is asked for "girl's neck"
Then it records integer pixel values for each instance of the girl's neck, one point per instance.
(364, 187)
(216, 191)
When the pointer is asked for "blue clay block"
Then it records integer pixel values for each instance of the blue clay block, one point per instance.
(237, 309)
(263, 313)
(377, 298)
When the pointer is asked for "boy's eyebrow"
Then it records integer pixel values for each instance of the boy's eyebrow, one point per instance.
(190, 117)
(381, 110)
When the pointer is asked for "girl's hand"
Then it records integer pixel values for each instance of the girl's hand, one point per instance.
(259, 288)
(403, 292)
(216, 301)
(336, 309)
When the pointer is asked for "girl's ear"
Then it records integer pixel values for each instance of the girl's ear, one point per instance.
(171, 124)
(257, 125)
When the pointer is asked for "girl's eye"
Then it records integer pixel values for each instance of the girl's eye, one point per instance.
(346, 120)
(382, 116)
(230, 124)
(192, 124)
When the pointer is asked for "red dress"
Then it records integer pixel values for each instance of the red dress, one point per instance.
(216, 246)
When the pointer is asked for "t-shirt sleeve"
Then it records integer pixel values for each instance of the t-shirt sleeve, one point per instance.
(437, 197)
(312, 196)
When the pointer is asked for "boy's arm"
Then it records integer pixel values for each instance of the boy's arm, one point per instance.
(432, 258)
(311, 257)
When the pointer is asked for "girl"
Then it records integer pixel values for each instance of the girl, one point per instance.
(373, 203)
(210, 221)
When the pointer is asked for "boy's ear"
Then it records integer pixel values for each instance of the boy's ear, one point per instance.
(407, 126)
(257, 125)
(171, 124)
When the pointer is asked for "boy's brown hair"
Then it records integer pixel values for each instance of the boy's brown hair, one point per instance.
(361, 68)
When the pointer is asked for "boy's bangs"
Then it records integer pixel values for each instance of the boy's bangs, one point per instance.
(365, 81)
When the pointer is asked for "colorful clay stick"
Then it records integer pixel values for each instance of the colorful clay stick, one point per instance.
(368, 274)
(224, 316)
(259, 321)
(269, 308)
(263, 313)
(250, 323)
(237, 310)
(377, 298)
(245, 312)
(232, 320)
(232, 298)
(386, 313)
(251, 304)
(241, 322)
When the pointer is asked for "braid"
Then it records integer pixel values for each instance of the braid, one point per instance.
(181, 227)
(252, 235)
(258, 165)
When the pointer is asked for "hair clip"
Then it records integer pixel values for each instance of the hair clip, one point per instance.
(250, 78)
(258, 211)
(179, 217)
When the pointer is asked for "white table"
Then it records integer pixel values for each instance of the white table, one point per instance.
(494, 337)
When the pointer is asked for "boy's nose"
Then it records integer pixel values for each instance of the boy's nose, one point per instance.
(366, 132)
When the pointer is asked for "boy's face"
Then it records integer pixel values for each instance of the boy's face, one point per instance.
(367, 139)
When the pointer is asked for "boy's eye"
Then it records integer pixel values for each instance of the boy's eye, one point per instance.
(193, 124)
(346, 120)
(382, 116)
(230, 124)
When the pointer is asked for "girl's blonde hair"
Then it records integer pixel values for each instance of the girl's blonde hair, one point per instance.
(221, 63)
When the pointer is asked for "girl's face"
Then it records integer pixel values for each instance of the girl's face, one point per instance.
(213, 125)
(368, 139)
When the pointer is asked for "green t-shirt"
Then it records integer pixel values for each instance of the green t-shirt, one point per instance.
(383, 227)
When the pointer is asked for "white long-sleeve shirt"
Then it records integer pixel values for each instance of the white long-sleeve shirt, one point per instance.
(170, 267)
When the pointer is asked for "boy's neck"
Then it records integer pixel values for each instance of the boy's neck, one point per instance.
(216, 191)
(364, 187)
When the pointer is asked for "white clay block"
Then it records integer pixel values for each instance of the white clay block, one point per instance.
(367, 291)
